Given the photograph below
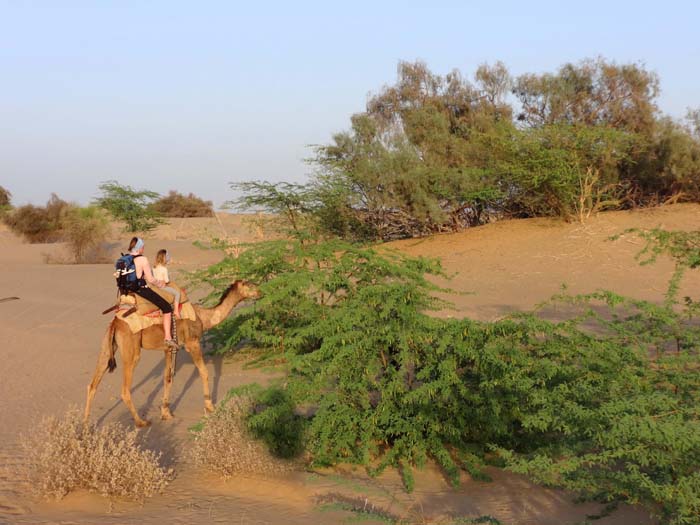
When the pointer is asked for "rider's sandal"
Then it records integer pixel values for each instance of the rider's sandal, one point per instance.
(171, 344)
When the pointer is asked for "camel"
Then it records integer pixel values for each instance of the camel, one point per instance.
(119, 337)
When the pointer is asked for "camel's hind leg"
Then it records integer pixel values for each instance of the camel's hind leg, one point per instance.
(100, 369)
(131, 352)
(105, 362)
(195, 350)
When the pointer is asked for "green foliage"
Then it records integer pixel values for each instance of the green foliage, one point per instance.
(489, 520)
(436, 153)
(38, 224)
(175, 204)
(288, 203)
(683, 247)
(129, 205)
(277, 424)
(592, 92)
(361, 508)
(668, 163)
(545, 168)
(85, 229)
(610, 412)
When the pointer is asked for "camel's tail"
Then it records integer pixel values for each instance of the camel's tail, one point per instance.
(109, 344)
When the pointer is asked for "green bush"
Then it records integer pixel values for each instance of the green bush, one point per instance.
(175, 204)
(85, 229)
(38, 224)
(129, 205)
(611, 414)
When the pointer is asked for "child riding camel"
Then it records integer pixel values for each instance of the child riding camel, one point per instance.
(145, 277)
(160, 272)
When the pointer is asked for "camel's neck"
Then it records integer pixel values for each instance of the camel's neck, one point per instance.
(211, 317)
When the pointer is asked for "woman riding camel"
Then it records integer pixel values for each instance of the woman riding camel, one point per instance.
(145, 277)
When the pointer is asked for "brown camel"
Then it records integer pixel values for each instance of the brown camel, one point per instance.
(119, 337)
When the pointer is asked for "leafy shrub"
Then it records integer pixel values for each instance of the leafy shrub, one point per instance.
(276, 424)
(225, 445)
(129, 205)
(85, 230)
(38, 224)
(610, 414)
(65, 454)
(175, 204)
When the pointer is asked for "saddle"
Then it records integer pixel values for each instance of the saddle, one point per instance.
(140, 313)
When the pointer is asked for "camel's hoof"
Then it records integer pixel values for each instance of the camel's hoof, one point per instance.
(165, 416)
(209, 406)
(143, 423)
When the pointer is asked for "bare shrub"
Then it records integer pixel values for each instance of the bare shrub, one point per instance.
(5, 202)
(38, 224)
(66, 454)
(5, 197)
(85, 229)
(176, 204)
(225, 445)
(594, 196)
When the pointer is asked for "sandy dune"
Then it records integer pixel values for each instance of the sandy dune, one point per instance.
(50, 339)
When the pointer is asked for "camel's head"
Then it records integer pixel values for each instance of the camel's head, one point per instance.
(246, 289)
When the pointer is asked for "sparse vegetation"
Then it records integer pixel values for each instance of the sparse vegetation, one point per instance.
(134, 207)
(65, 454)
(224, 443)
(5, 201)
(85, 230)
(38, 224)
(5, 197)
(175, 204)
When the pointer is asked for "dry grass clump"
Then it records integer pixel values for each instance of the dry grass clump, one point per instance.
(225, 445)
(64, 454)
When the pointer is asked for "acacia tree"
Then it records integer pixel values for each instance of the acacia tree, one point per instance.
(129, 205)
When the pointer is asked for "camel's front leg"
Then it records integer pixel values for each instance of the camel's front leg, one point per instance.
(195, 351)
(129, 359)
(167, 385)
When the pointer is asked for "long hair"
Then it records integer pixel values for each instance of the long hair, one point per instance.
(161, 257)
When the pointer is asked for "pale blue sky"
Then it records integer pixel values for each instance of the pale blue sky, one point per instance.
(193, 95)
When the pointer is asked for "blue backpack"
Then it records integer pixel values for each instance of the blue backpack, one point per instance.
(126, 274)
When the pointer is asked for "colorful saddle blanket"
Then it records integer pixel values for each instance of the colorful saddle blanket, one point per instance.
(147, 314)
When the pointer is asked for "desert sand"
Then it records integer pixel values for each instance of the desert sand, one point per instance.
(49, 341)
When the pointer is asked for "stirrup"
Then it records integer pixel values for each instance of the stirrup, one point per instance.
(170, 343)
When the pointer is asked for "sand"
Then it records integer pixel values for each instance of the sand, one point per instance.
(49, 340)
